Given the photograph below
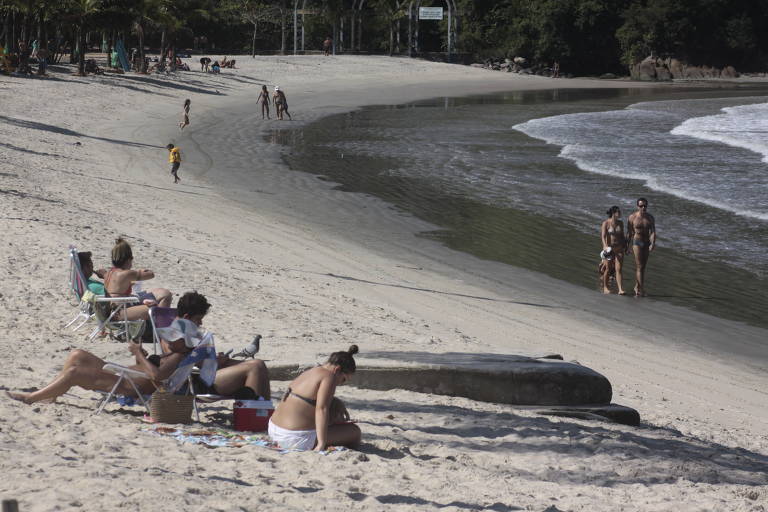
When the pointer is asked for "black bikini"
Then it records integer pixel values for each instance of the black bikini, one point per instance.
(290, 392)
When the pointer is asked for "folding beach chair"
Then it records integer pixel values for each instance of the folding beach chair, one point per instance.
(118, 329)
(79, 287)
(204, 351)
(123, 373)
(163, 317)
(160, 317)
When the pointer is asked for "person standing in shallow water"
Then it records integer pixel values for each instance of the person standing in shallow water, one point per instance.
(263, 100)
(641, 233)
(612, 237)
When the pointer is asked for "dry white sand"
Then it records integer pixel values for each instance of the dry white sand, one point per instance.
(82, 161)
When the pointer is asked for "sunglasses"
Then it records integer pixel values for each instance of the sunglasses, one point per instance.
(642, 206)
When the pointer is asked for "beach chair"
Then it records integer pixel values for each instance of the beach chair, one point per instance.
(205, 351)
(79, 287)
(158, 318)
(118, 329)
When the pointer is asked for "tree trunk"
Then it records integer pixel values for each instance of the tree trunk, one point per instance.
(163, 49)
(42, 43)
(282, 32)
(253, 41)
(142, 61)
(397, 37)
(173, 54)
(81, 53)
(7, 30)
(391, 37)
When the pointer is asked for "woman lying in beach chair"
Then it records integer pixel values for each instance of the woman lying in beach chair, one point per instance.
(120, 278)
(86, 370)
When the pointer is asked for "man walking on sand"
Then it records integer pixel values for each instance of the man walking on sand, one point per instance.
(174, 158)
(327, 46)
(641, 232)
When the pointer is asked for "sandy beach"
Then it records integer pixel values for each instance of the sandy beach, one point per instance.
(314, 269)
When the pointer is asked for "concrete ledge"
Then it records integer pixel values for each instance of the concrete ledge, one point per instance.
(495, 378)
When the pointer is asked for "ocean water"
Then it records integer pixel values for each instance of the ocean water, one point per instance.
(525, 178)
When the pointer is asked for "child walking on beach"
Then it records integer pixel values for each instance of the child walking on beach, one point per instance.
(174, 158)
(185, 115)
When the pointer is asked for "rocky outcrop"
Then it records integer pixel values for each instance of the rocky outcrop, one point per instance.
(654, 69)
(519, 65)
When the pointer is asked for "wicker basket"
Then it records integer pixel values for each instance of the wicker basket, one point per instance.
(169, 408)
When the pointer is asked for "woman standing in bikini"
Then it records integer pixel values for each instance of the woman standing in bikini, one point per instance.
(302, 420)
(263, 99)
(612, 236)
(121, 277)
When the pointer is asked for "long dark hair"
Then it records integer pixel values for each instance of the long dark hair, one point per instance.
(344, 360)
(612, 210)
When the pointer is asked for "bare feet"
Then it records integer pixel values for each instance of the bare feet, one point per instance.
(21, 397)
(606, 291)
(622, 292)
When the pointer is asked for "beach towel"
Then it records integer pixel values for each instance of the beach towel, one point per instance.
(216, 438)
(204, 356)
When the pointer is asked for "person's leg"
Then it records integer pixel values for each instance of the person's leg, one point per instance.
(643, 262)
(163, 296)
(140, 312)
(617, 263)
(81, 369)
(289, 115)
(606, 276)
(641, 256)
(346, 434)
(252, 374)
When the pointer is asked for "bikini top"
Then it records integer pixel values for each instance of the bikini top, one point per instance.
(290, 392)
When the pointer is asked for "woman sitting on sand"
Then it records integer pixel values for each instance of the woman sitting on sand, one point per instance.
(302, 420)
(121, 277)
(614, 246)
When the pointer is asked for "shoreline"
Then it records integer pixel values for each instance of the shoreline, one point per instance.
(268, 268)
(311, 139)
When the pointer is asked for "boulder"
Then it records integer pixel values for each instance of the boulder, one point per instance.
(662, 73)
(644, 70)
(729, 72)
(519, 60)
(676, 68)
(607, 76)
(477, 65)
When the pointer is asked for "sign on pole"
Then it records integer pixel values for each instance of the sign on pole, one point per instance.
(430, 13)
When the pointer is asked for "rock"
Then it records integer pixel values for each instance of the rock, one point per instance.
(644, 70)
(729, 72)
(477, 65)
(519, 60)
(676, 68)
(662, 73)
(607, 76)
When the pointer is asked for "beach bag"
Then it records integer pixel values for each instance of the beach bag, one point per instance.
(170, 408)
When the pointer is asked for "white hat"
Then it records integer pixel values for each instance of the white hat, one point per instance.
(277, 88)
(181, 328)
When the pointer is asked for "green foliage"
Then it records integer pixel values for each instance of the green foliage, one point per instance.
(585, 36)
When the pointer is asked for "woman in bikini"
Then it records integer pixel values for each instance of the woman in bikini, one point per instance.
(121, 277)
(263, 99)
(303, 419)
(185, 115)
(612, 237)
